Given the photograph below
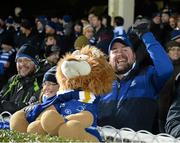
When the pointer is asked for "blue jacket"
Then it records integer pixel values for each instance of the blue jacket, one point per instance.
(67, 103)
(132, 102)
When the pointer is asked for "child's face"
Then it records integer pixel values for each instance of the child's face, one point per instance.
(6, 47)
(50, 88)
(174, 53)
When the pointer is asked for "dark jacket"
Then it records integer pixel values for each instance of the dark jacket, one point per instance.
(133, 100)
(166, 96)
(172, 126)
(20, 92)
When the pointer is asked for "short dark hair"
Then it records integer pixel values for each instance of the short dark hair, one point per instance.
(171, 44)
(119, 20)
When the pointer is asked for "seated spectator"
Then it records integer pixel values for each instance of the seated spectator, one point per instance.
(172, 126)
(118, 26)
(23, 88)
(52, 53)
(50, 85)
(88, 32)
(133, 102)
(166, 95)
(7, 57)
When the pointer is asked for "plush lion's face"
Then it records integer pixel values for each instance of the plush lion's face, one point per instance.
(86, 69)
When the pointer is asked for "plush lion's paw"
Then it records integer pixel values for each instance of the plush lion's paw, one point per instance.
(18, 122)
(35, 127)
(85, 118)
(50, 121)
(74, 130)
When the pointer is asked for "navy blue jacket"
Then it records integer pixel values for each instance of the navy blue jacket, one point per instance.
(132, 102)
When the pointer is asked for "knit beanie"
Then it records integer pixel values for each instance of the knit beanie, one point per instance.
(80, 42)
(50, 75)
(66, 18)
(52, 24)
(175, 34)
(27, 51)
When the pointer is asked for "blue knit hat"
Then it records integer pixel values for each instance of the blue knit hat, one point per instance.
(67, 18)
(42, 19)
(27, 51)
(52, 24)
(50, 75)
(175, 34)
(121, 39)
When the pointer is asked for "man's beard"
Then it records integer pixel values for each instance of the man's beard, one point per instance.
(123, 71)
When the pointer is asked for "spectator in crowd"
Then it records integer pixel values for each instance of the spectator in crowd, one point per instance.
(118, 26)
(173, 49)
(104, 41)
(52, 53)
(172, 126)
(166, 94)
(156, 27)
(50, 27)
(165, 15)
(173, 21)
(90, 17)
(77, 31)
(98, 27)
(10, 25)
(23, 88)
(50, 85)
(27, 35)
(57, 39)
(133, 100)
(40, 22)
(106, 22)
(67, 25)
(88, 32)
(7, 58)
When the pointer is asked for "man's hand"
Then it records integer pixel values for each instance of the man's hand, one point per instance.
(141, 26)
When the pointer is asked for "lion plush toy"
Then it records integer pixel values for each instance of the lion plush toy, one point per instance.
(72, 113)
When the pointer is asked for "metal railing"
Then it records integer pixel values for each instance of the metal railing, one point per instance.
(123, 135)
(127, 135)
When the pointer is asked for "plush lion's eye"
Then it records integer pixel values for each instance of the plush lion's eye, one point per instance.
(82, 57)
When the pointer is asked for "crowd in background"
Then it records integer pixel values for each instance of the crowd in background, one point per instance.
(30, 48)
